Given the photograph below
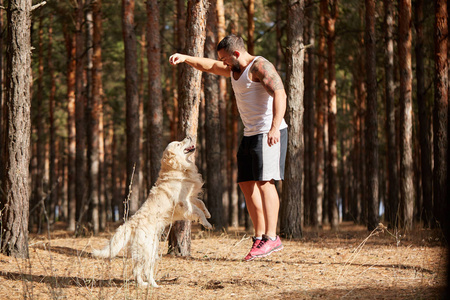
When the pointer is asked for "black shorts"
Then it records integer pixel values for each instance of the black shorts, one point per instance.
(259, 162)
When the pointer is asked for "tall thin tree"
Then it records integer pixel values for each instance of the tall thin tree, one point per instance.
(333, 186)
(371, 119)
(406, 157)
(291, 210)
(70, 42)
(1, 78)
(214, 182)
(132, 104)
(93, 127)
(80, 122)
(310, 120)
(14, 173)
(440, 112)
(424, 118)
(250, 26)
(391, 157)
(53, 160)
(321, 109)
(155, 111)
(97, 106)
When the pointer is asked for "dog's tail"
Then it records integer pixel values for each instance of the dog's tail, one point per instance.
(117, 242)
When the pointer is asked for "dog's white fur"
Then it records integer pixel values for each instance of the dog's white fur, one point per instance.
(173, 197)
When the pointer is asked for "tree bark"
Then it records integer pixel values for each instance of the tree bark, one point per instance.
(406, 158)
(321, 109)
(71, 129)
(155, 111)
(291, 210)
(97, 106)
(214, 181)
(80, 122)
(391, 157)
(36, 204)
(310, 121)
(371, 119)
(424, 119)
(440, 114)
(92, 126)
(132, 105)
(54, 200)
(189, 99)
(333, 190)
(1, 80)
(14, 198)
(251, 26)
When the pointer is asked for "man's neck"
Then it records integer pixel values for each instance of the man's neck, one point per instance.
(246, 60)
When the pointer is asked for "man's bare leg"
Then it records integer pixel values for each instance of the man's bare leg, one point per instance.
(270, 206)
(253, 200)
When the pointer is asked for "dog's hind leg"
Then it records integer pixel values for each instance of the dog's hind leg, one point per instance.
(137, 271)
(151, 254)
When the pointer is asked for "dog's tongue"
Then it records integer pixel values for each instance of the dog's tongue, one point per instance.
(190, 149)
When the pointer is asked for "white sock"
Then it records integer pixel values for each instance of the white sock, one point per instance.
(273, 239)
(258, 237)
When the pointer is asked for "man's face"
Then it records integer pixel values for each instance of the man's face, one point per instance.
(229, 60)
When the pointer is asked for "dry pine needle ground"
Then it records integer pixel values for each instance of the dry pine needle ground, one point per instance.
(349, 263)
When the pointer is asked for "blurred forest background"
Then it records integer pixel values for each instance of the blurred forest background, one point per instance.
(371, 143)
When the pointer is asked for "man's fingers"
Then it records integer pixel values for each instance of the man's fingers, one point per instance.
(272, 141)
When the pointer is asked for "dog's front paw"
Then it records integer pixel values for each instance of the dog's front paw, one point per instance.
(206, 224)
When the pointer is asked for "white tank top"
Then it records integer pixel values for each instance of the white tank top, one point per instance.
(255, 105)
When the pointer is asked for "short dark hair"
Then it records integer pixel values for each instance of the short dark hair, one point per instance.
(231, 43)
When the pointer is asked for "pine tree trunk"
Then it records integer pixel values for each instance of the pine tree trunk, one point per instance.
(1, 81)
(54, 200)
(37, 205)
(132, 105)
(251, 26)
(14, 199)
(214, 182)
(371, 119)
(321, 109)
(406, 158)
(361, 104)
(291, 210)
(189, 100)
(310, 121)
(424, 119)
(155, 111)
(92, 126)
(391, 157)
(440, 114)
(97, 107)
(71, 153)
(332, 111)
(80, 122)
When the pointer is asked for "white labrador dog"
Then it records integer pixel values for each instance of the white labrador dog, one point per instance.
(173, 197)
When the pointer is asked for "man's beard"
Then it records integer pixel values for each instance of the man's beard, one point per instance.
(236, 68)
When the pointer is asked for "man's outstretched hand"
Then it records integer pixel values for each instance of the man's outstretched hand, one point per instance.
(176, 59)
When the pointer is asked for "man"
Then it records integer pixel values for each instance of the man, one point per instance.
(261, 100)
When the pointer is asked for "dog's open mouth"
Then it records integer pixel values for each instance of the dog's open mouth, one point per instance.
(189, 149)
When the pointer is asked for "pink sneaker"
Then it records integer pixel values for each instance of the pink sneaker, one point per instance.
(266, 247)
(250, 256)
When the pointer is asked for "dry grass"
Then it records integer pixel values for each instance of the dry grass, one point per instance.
(344, 264)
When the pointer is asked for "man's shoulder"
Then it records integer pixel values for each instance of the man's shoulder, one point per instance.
(261, 66)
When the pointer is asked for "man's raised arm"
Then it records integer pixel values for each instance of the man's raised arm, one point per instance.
(201, 63)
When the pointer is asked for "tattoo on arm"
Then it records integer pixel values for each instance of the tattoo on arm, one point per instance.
(267, 75)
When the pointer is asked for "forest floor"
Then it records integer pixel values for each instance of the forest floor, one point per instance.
(350, 263)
